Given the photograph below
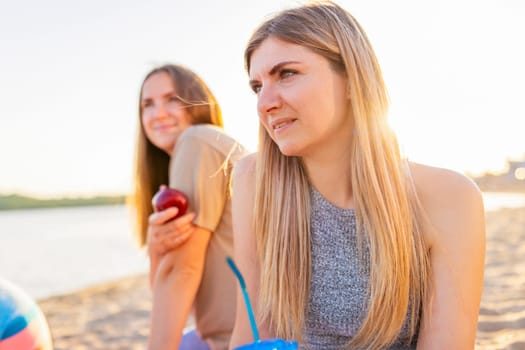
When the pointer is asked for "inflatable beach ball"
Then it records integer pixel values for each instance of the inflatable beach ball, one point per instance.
(22, 324)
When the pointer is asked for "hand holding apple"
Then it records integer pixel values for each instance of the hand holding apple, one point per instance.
(169, 197)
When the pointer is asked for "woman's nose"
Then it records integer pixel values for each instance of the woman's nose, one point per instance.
(161, 111)
(268, 99)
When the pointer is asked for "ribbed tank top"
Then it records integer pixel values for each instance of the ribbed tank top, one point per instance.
(339, 284)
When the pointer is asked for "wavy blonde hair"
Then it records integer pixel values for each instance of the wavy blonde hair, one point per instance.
(151, 163)
(389, 216)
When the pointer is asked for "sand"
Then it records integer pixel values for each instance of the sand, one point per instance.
(109, 316)
(502, 316)
(116, 315)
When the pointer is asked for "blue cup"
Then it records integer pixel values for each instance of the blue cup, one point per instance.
(270, 344)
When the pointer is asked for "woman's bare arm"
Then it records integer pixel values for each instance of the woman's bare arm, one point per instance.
(175, 286)
(455, 209)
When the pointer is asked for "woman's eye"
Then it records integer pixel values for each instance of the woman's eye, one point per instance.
(175, 99)
(256, 88)
(285, 73)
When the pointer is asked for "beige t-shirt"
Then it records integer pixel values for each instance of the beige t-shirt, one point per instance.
(201, 167)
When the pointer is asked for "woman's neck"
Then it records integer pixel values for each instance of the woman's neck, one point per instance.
(331, 177)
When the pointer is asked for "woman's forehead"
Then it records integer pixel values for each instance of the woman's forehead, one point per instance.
(273, 51)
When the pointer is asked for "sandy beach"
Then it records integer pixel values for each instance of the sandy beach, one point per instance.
(502, 315)
(116, 315)
(109, 316)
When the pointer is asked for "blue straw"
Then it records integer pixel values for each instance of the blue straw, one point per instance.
(246, 299)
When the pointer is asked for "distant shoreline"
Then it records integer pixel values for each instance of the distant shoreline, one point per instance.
(15, 201)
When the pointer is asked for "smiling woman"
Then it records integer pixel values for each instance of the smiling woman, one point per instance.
(164, 115)
(181, 144)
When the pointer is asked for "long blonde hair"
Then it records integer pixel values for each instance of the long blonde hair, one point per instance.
(389, 216)
(151, 163)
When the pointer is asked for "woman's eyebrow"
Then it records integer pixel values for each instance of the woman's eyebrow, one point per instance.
(278, 66)
(274, 70)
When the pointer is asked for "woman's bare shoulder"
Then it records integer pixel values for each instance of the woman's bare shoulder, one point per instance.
(438, 184)
(451, 200)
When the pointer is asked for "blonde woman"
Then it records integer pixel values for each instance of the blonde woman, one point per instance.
(343, 243)
(181, 143)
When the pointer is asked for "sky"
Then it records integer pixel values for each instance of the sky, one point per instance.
(70, 74)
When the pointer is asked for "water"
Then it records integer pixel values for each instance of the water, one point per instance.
(54, 251)
(496, 200)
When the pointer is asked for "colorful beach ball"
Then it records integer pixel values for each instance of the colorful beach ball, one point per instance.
(22, 324)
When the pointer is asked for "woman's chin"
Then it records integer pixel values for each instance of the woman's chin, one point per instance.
(289, 150)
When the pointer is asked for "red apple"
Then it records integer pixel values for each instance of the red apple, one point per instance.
(169, 197)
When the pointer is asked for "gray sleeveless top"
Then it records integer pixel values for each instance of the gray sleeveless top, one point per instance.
(338, 290)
